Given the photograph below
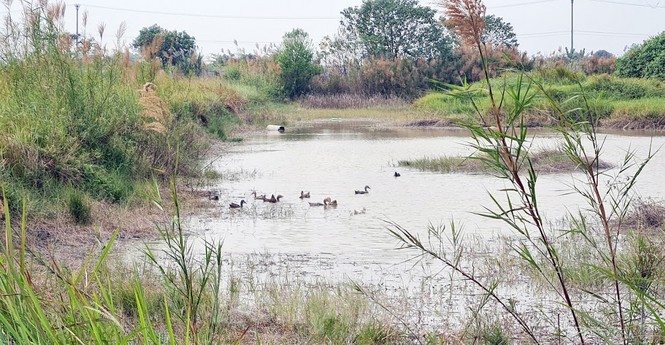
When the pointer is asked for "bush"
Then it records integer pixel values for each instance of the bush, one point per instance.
(296, 61)
(261, 74)
(644, 61)
(403, 78)
(78, 207)
(232, 73)
(626, 88)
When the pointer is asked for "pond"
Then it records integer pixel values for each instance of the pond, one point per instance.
(351, 242)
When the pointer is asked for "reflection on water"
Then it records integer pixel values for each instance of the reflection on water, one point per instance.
(336, 158)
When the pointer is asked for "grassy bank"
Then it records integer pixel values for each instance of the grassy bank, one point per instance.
(84, 127)
(629, 103)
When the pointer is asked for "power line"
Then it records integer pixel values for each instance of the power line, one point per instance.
(539, 34)
(210, 15)
(605, 33)
(583, 32)
(521, 4)
(236, 41)
(630, 4)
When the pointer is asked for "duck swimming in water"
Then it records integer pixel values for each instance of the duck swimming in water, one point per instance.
(234, 205)
(397, 174)
(304, 195)
(315, 204)
(274, 199)
(363, 191)
(357, 212)
(329, 202)
(259, 197)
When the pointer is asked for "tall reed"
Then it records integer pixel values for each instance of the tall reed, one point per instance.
(500, 135)
(72, 114)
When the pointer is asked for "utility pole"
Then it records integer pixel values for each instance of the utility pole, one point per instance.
(77, 22)
(572, 50)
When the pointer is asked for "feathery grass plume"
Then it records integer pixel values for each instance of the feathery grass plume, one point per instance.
(155, 109)
(465, 18)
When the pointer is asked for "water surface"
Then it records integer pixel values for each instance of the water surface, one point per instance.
(335, 158)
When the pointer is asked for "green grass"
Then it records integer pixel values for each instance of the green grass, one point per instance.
(443, 164)
(84, 119)
(79, 207)
(544, 161)
(618, 102)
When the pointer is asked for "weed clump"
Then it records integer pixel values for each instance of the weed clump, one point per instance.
(78, 207)
(646, 214)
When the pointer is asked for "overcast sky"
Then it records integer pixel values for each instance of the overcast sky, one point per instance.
(542, 26)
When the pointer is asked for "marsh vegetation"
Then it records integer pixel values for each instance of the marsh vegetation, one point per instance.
(544, 161)
(91, 138)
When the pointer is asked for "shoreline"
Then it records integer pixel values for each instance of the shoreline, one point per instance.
(72, 242)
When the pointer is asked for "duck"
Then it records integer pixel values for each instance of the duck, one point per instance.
(304, 195)
(329, 202)
(397, 174)
(259, 197)
(357, 212)
(274, 199)
(363, 191)
(315, 204)
(234, 205)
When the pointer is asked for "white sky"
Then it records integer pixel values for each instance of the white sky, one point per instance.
(542, 26)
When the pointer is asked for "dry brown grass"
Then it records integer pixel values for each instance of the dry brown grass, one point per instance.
(398, 115)
(647, 214)
(233, 101)
(628, 121)
(155, 110)
(350, 101)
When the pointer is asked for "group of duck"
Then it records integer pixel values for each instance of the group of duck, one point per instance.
(272, 199)
(327, 202)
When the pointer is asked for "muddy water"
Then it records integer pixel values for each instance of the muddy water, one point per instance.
(334, 159)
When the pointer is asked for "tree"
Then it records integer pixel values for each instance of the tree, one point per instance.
(497, 32)
(395, 29)
(603, 54)
(173, 48)
(644, 61)
(296, 59)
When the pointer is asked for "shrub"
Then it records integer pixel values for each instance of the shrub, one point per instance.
(403, 78)
(644, 61)
(296, 61)
(78, 207)
(626, 88)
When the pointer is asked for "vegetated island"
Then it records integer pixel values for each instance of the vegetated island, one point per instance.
(544, 161)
